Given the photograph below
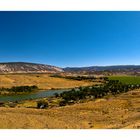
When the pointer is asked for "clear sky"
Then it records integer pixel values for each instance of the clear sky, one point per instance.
(70, 38)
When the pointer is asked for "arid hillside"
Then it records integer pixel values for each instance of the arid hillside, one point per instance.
(43, 81)
(122, 111)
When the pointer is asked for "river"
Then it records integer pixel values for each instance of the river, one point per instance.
(22, 97)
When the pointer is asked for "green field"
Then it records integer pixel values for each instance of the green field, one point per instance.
(126, 79)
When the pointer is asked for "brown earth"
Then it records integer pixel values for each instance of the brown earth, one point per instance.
(122, 111)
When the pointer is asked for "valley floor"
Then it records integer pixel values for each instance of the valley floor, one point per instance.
(43, 81)
(122, 111)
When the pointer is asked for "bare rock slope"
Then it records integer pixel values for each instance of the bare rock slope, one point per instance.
(21, 67)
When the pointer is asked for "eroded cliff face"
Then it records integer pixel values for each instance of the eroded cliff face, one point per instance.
(21, 67)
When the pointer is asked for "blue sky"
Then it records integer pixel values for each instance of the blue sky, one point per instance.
(70, 38)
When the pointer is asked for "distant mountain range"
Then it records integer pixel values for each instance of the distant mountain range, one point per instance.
(23, 67)
(104, 68)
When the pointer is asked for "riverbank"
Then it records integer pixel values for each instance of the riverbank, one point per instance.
(70, 96)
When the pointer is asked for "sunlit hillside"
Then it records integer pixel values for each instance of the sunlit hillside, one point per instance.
(43, 81)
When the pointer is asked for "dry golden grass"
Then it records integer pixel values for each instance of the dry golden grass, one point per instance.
(43, 81)
(122, 111)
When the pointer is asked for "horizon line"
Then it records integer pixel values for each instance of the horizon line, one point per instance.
(72, 66)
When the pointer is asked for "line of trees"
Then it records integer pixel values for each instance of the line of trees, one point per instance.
(112, 87)
(17, 89)
(80, 78)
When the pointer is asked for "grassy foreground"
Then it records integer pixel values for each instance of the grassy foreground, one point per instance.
(122, 111)
(42, 81)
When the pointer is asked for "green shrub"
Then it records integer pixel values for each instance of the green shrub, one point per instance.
(42, 104)
(63, 103)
